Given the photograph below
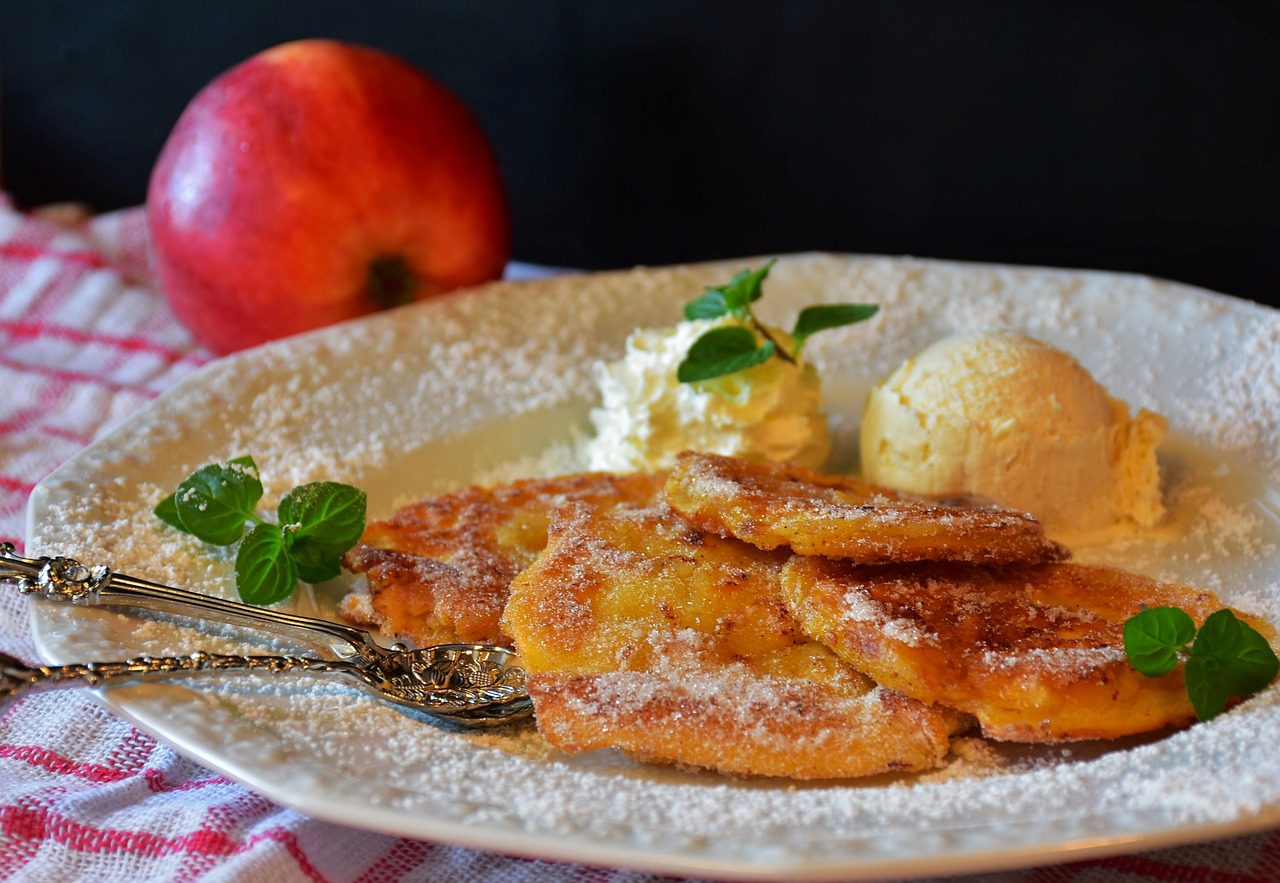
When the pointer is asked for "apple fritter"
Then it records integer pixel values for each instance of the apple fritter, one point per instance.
(1034, 652)
(783, 504)
(440, 570)
(644, 633)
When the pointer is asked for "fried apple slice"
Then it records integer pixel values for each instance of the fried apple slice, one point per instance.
(782, 504)
(1034, 652)
(643, 633)
(440, 570)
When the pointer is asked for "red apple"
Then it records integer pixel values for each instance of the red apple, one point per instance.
(315, 182)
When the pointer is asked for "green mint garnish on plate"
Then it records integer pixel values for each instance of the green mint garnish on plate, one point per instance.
(1225, 657)
(318, 522)
(732, 348)
(724, 350)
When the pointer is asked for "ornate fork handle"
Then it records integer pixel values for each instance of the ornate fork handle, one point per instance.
(66, 579)
(470, 684)
(16, 677)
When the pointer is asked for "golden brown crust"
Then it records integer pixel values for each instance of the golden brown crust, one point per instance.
(710, 720)
(440, 570)
(646, 634)
(782, 504)
(1034, 652)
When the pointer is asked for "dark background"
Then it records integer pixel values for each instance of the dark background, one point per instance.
(1140, 136)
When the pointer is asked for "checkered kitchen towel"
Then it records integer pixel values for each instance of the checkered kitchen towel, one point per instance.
(84, 342)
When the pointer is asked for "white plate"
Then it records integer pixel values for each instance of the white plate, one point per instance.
(497, 383)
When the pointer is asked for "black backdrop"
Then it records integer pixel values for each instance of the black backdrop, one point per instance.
(1140, 136)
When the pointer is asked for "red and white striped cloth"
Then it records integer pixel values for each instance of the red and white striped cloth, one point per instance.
(84, 342)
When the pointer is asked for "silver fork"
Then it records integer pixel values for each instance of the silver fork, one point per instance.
(470, 684)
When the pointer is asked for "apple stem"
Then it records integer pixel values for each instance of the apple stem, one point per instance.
(390, 282)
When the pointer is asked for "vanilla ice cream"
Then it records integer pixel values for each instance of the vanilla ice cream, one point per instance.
(1015, 421)
(773, 411)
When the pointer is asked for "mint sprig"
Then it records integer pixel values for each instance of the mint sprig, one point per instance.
(318, 523)
(1225, 657)
(732, 348)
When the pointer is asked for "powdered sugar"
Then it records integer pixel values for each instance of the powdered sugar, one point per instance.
(1067, 659)
(906, 631)
(495, 384)
(1240, 413)
(857, 607)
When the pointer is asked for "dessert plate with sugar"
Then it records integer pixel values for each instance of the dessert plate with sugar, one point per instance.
(496, 384)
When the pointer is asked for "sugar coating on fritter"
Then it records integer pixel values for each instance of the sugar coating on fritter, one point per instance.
(1034, 652)
(644, 633)
(440, 570)
(727, 718)
(783, 504)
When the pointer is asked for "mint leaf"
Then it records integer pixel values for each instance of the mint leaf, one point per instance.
(736, 297)
(314, 568)
(1205, 688)
(723, 351)
(1154, 638)
(709, 306)
(1242, 659)
(813, 319)
(264, 573)
(320, 521)
(325, 512)
(1256, 664)
(167, 511)
(746, 287)
(216, 501)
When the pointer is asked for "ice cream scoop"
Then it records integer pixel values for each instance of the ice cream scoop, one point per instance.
(1011, 419)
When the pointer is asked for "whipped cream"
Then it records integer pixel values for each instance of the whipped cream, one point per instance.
(773, 411)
